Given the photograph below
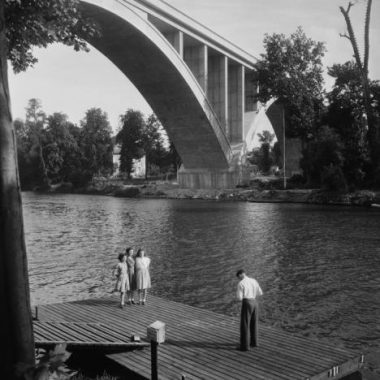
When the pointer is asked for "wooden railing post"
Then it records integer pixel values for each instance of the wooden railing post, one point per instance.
(156, 335)
(153, 359)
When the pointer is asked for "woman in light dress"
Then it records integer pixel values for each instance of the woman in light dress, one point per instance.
(142, 275)
(122, 279)
(131, 275)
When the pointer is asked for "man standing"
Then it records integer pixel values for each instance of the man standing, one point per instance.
(248, 290)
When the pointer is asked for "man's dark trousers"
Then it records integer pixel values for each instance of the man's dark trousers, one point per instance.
(249, 324)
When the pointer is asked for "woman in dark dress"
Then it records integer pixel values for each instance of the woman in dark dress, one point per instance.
(131, 275)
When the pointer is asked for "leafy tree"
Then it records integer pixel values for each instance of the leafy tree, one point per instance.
(346, 114)
(23, 24)
(131, 138)
(35, 124)
(372, 120)
(28, 168)
(96, 143)
(40, 23)
(153, 144)
(324, 151)
(61, 151)
(173, 157)
(263, 156)
(266, 137)
(291, 71)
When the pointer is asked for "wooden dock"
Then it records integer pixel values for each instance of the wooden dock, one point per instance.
(200, 344)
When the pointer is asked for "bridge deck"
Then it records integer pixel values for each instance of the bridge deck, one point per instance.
(201, 344)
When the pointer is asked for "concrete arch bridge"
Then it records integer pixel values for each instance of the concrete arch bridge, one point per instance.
(201, 87)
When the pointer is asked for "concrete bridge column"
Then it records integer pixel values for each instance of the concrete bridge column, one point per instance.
(236, 102)
(176, 40)
(196, 57)
(218, 88)
(250, 91)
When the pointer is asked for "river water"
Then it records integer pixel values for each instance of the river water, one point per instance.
(319, 266)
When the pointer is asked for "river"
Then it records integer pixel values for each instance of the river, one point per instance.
(319, 266)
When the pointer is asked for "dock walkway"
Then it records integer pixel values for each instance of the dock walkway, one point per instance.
(201, 344)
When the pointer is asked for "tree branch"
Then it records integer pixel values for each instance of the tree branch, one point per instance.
(351, 35)
(366, 37)
(344, 35)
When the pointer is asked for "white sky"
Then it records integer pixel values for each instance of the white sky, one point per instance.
(71, 82)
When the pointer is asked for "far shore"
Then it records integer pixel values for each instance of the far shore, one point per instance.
(259, 191)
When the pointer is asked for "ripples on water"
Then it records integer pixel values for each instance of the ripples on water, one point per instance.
(318, 266)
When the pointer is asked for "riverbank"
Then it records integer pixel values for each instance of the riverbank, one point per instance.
(258, 192)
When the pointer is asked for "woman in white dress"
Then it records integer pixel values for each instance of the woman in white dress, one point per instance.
(142, 275)
(122, 278)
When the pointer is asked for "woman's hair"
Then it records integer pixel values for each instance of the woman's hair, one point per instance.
(129, 249)
(138, 254)
(120, 257)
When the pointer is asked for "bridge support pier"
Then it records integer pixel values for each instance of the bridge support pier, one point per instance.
(211, 178)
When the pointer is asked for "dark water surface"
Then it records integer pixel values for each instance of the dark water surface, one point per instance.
(319, 266)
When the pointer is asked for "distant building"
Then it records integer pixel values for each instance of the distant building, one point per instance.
(138, 165)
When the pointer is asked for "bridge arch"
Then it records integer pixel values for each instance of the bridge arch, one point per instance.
(293, 146)
(151, 63)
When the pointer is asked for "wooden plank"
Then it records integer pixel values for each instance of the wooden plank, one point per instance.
(94, 344)
(199, 342)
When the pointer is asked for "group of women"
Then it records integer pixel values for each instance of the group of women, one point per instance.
(132, 275)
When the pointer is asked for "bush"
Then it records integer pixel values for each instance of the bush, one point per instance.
(105, 376)
(128, 192)
(297, 181)
(332, 179)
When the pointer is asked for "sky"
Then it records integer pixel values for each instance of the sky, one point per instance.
(71, 82)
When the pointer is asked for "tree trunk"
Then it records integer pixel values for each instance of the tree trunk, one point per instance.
(16, 332)
(372, 124)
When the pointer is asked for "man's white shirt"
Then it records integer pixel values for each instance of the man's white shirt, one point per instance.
(248, 288)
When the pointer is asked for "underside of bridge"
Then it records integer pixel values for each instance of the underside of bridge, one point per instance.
(291, 146)
(203, 95)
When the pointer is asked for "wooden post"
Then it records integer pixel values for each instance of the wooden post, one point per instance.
(153, 359)
(16, 327)
(156, 335)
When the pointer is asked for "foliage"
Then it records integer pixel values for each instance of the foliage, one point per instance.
(266, 137)
(50, 365)
(174, 158)
(263, 157)
(105, 376)
(131, 139)
(332, 179)
(291, 71)
(153, 144)
(346, 115)
(34, 124)
(52, 150)
(372, 120)
(43, 22)
(96, 143)
(323, 151)
(62, 154)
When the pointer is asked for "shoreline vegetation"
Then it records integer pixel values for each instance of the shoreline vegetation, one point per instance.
(266, 191)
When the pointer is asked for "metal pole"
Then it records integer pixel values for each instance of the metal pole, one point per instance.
(283, 148)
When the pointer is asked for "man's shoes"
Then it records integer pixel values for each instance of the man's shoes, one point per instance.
(240, 348)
